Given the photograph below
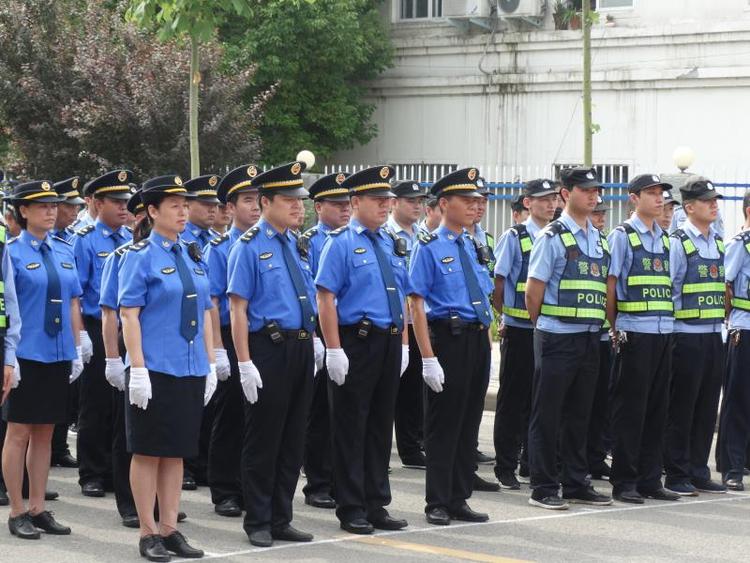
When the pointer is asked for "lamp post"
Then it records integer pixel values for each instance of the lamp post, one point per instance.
(683, 158)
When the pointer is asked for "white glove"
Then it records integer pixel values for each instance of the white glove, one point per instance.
(115, 373)
(87, 347)
(404, 359)
(250, 381)
(432, 373)
(223, 370)
(77, 366)
(337, 364)
(16, 376)
(140, 387)
(320, 354)
(211, 383)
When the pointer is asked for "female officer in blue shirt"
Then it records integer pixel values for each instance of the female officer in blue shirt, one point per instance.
(164, 307)
(48, 354)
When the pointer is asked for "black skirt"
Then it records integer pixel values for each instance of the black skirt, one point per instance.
(42, 394)
(170, 425)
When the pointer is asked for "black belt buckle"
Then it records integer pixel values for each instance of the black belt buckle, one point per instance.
(303, 335)
(456, 325)
(274, 332)
(363, 328)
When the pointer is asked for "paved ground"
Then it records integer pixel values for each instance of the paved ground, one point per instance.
(709, 528)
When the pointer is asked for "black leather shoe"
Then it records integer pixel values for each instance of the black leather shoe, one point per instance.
(438, 516)
(466, 514)
(51, 495)
(152, 548)
(22, 527)
(131, 521)
(181, 516)
(417, 461)
(4, 500)
(65, 460)
(589, 495)
(385, 521)
(734, 485)
(320, 500)
(600, 472)
(290, 533)
(631, 497)
(261, 538)
(92, 489)
(484, 459)
(358, 526)
(482, 485)
(507, 479)
(551, 502)
(229, 508)
(47, 523)
(523, 471)
(177, 544)
(188, 483)
(660, 494)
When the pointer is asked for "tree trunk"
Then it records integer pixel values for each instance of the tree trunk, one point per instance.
(195, 79)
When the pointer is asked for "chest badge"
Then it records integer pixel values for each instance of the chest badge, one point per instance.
(447, 259)
(66, 265)
(168, 270)
(266, 255)
(360, 250)
(102, 254)
(198, 271)
(33, 266)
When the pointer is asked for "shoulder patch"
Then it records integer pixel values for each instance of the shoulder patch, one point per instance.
(61, 240)
(250, 234)
(139, 245)
(338, 231)
(554, 228)
(85, 230)
(678, 233)
(128, 228)
(427, 238)
(120, 250)
(219, 240)
(311, 232)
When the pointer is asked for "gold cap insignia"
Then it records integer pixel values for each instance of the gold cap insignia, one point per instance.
(75, 183)
(46, 187)
(384, 172)
(472, 174)
(252, 171)
(296, 168)
(340, 178)
(122, 176)
(213, 180)
(178, 180)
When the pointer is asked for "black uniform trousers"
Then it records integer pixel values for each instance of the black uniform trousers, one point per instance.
(566, 368)
(734, 439)
(598, 439)
(60, 435)
(197, 467)
(514, 397)
(225, 447)
(698, 366)
(452, 417)
(274, 435)
(317, 461)
(640, 399)
(362, 412)
(120, 455)
(94, 443)
(409, 415)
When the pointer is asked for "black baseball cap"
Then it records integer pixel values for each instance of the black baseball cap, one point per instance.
(581, 177)
(701, 188)
(646, 181)
(409, 188)
(669, 198)
(538, 188)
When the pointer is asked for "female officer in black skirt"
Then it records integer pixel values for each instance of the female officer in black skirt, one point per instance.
(164, 300)
(48, 354)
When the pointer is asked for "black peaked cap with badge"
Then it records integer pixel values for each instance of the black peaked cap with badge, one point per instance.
(237, 181)
(698, 187)
(135, 203)
(538, 188)
(37, 191)
(329, 188)
(580, 177)
(669, 198)
(284, 180)
(114, 185)
(517, 204)
(204, 188)
(409, 189)
(155, 189)
(644, 181)
(374, 181)
(68, 189)
(460, 182)
(482, 187)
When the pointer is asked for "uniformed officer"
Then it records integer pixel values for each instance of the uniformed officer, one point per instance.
(696, 264)
(517, 332)
(447, 275)
(110, 193)
(432, 215)
(272, 312)
(679, 216)
(670, 203)
(565, 298)
(640, 301)
(202, 210)
(164, 307)
(332, 206)
(362, 285)
(47, 355)
(518, 213)
(236, 191)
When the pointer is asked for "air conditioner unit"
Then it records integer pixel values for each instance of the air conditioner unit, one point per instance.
(520, 8)
(467, 8)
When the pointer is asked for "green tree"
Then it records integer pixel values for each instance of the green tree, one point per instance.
(318, 55)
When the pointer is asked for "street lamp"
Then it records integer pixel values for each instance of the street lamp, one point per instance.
(683, 158)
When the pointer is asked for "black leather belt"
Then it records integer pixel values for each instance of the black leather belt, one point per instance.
(464, 326)
(301, 334)
(376, 329)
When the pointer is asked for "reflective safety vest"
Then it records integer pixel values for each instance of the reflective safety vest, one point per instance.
(518, 309)
(3, 314)
(648, 286)
(582, 294)
(743, 303)
(703, 291)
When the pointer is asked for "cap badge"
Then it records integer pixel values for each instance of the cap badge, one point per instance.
(46, 187)
(75, 183)
(546, 185)
(122, 176)
(213, 180)
(590, 175)
(296, 168)
(472, 174)
(252, 171)
(655, 178)
(384, 172)
(178, 180)
(340, 178)
(415, 187)
(710, 186)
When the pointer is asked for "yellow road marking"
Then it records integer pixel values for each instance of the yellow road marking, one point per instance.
(435, 550)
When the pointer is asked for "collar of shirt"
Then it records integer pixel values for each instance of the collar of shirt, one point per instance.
(532, 228)
(34, 242)
(162, 242)
(106, 231)
(322, 227)
(691, 229)
(235, 233)
(447, 233)
(195, 229)
(572, 226)
(396, 228)
(267, 229)
(641, 227)
(359, 228)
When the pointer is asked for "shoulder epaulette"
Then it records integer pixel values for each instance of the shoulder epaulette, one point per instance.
(303, 241)
(554, 228)
(70, 229)
(338, 231)
(311, 232)
(219, 240)
(519, 230)
(427, 238)
(61, 240)
(678, 233)
(250, 234)
(744, 236)
(140, 245)
(85, 230)
(120, 250)
(626, 227)
(128, 228)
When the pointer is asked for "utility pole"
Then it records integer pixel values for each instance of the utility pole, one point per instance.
(587, 130)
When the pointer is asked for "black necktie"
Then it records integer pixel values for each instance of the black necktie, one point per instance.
(472, 284)
(189, 315)
(53, 305)
(308, 313)
(394, 302)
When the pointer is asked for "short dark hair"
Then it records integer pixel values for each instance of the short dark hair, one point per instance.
(745, 203)
(432, 202)
(20, 219)
(261, 195)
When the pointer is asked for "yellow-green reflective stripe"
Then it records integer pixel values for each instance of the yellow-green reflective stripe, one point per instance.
(747, 247)
(706, 287)
(573, 312)
(699, 314)
(3, 321)
(665, 241)
(568, 239)
(2, 287)
(584, 284)
(688, 245)
(605, 244)
(518, 313)
(2, 234)
(649, 280)
(739, 303)
(635, 240)
(720, 245)
(526, 244)
(521, 287)
(644, 306)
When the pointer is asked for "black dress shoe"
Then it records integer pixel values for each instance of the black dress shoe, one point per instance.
(228, 507)
(387, 522)
(47, 523)
(152, 548)
(181, 516)
(4, 500)
(486, 486)
(22, 527)
(589, 495)
(320, 500)
(484, 459)
(261, 538)
(631, 497)
(438, 516)
(177, 544)
(188, 483)
(660, 494)
(65, 460)
(290, 533)
(523, 471)
(734, 485)
(358, 526)
(417, 461)
(92, 489)
(507, 479)
(466, 514)
(131, 521)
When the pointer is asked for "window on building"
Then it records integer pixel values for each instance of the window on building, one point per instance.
(609, 4)
(418, 9)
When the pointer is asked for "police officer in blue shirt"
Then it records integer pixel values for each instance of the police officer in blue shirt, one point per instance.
(565, 298)
(67, 208)
(47, 355)
(679, 215)
(362, 286)
(110, 193)
(447, 275)
(517, 332)
(332, 206)
(235, 190)
(640, 309)
(696, 266)
(272, 312)
(203, 208)
(164, 307)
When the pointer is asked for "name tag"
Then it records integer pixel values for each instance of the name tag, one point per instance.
(360, 250)
(198, 271)
(266, 255)
(168, 270)
(33, 266)
(447, 259)
(66, 265)
(102, 254)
